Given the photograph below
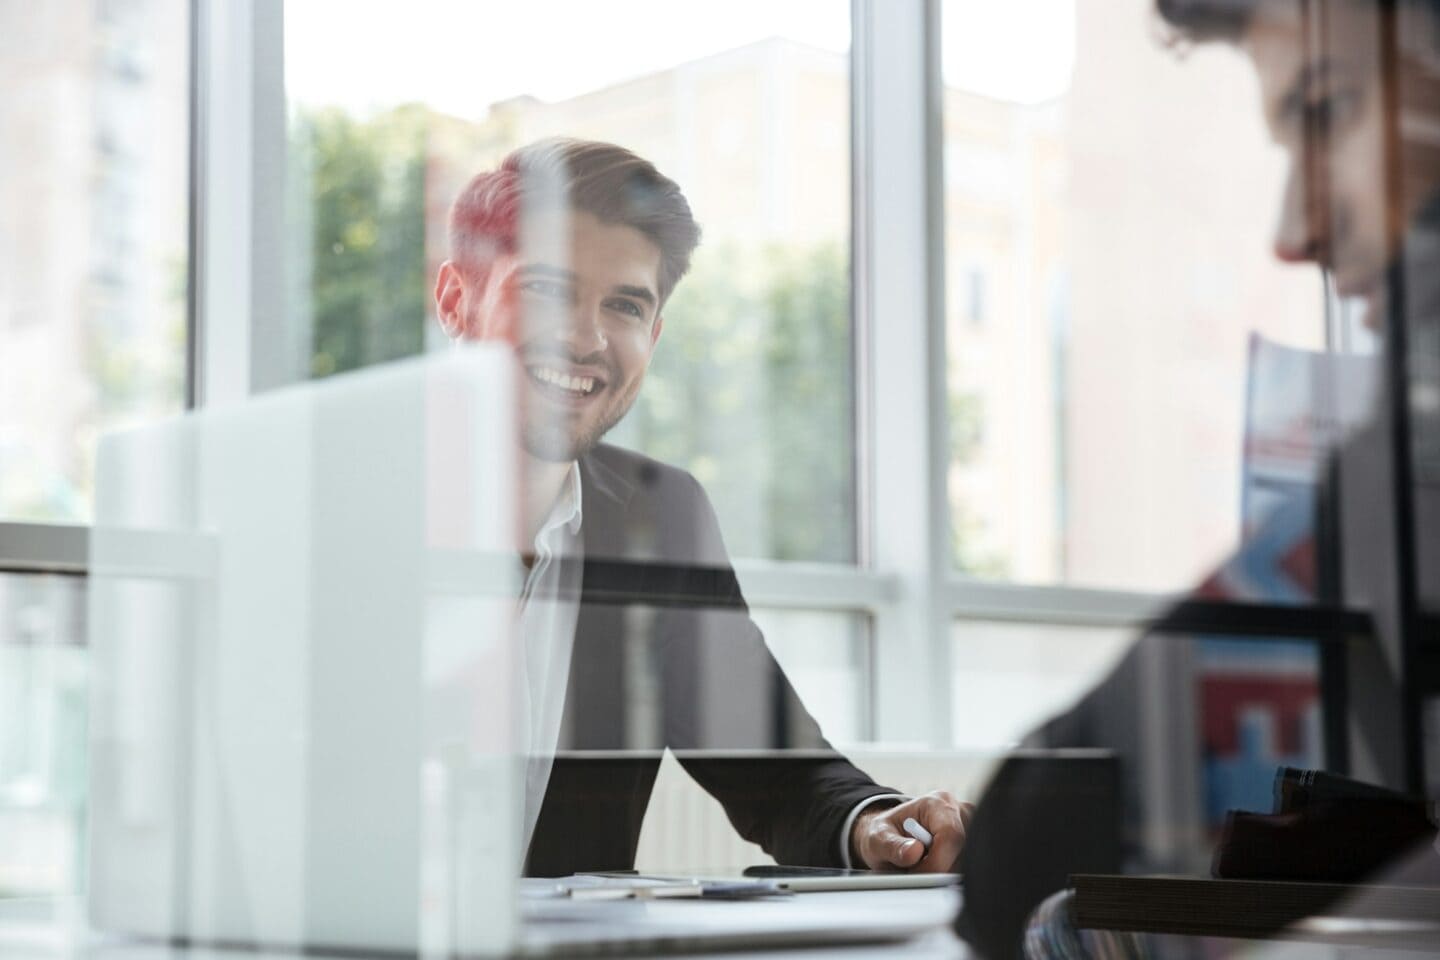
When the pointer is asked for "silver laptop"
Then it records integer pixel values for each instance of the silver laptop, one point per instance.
(300, 615)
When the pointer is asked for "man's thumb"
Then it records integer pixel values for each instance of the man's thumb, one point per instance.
(904, 851)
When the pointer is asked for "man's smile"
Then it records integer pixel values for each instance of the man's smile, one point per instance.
(556, 382)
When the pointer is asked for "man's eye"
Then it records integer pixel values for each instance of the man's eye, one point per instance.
(546, 288)
(1331, 112)
(628, 307)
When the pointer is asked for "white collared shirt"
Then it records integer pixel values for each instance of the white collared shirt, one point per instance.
(548, 611)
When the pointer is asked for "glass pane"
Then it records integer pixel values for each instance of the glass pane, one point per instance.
(826, 655)
(1010, 677)
(42, 734)
(1259, 708)
(1109, 214)
(290, 597)
(93, 241)
(1199, 723)
(744, 105)
(242, 688)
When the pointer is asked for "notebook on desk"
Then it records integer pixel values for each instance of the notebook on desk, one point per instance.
(300, 615)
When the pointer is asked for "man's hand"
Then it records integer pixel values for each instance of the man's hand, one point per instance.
(879, 842)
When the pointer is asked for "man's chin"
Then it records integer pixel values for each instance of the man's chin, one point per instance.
(556, 446)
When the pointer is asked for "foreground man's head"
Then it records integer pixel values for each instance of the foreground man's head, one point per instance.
(1341, 83)
(568, 252)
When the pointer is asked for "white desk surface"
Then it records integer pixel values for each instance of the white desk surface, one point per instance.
(45, 931)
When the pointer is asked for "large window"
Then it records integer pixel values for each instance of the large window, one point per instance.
(42, 734)
(1109, 208)
(94, 264)
(93, 238)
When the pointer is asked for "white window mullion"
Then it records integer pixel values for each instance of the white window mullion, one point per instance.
(238, 190)
(902, 367)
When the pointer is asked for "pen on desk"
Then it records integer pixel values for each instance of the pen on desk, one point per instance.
(912, 827)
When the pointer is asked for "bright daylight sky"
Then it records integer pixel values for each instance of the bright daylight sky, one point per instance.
(459, 56)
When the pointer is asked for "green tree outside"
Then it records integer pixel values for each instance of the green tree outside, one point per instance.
(368, 298)
(751, 389)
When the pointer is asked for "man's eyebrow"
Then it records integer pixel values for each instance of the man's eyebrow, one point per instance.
(644, 294)
(546, 270)
(639, 293)
(1310, 75)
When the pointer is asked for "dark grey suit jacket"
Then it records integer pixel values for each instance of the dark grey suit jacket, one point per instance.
(666, 655)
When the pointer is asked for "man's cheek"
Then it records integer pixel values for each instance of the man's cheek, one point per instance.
(499, 319)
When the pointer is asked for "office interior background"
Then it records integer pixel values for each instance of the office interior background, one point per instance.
(972, 360)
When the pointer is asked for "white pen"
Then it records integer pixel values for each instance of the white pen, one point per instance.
(912, 827)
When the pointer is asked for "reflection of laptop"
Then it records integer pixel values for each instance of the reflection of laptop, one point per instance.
(299, 618)
(300, 628)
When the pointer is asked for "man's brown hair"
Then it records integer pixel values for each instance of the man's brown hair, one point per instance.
(602, 179)
(1206, 21)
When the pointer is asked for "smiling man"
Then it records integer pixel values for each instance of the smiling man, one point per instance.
(635, 637)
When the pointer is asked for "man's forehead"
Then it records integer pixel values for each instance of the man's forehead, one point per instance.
(1296, 32)
(579, 241)
(1293, 43)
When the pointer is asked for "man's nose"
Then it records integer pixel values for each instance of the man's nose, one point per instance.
(585, 331)
(1300, 234)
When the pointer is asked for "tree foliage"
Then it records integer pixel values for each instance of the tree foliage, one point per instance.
(366, 213)
(751, 388)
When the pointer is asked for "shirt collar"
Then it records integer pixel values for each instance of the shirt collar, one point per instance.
(567, 511)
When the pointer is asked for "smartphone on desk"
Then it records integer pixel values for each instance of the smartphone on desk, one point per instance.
(816, 879)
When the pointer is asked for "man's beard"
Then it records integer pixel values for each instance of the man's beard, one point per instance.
(554, 440)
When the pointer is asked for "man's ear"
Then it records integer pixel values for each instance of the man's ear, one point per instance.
(450, 300)
(655, 330)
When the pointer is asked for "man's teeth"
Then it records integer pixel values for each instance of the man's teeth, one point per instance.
(581, 385)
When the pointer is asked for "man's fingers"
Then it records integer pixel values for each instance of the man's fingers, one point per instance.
(894, 849)
(946, 819)
(906, 851)
(944, 851)
(884, 844)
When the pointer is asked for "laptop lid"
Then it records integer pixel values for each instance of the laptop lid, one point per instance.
(299, 618)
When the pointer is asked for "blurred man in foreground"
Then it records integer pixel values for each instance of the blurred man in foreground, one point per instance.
(1350, 90)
